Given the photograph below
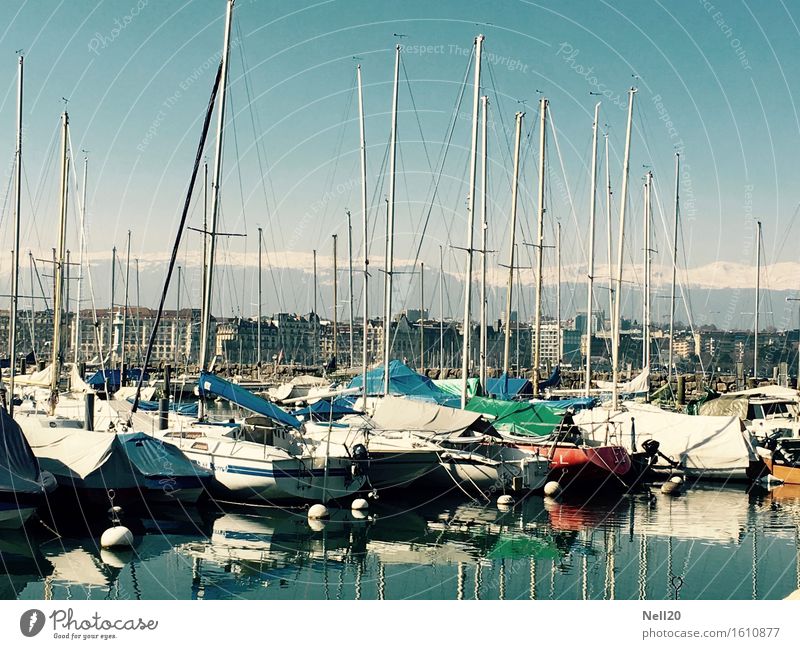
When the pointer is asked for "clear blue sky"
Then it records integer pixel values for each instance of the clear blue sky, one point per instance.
(725, 76)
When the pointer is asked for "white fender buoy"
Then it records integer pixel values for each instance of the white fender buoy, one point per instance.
(316, 524)
(359, 504)
(676, 479)
(505, 501)
(118, 536)
(552, 489)
(671, 488)
(317, 512)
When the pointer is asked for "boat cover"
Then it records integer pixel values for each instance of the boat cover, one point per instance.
(19, 470)
(527, 417)
(699, 443)
(397, 413)
(212, 385)
(453, 386)
(152, 457)
(726, 405)
(506, 387)
(770, 391)
(185, 409)
(636, 385)
(404, 381)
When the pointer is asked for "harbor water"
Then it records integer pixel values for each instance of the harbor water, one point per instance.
(712, 542)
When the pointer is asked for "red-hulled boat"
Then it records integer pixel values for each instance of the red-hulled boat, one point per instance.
(574, 463)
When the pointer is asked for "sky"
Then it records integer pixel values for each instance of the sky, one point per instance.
(714, 83)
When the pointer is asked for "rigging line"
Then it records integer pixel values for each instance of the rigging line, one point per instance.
(176, 246)
(83, 244)
(241, 197)
(433, 186)
(256, 126)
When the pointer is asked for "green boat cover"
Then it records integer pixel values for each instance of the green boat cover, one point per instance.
(520, 417)
(453, 386)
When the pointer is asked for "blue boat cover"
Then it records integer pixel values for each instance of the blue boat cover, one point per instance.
(187, 409)
(212, 385)
(562, 405)
(404, 381)
(327, 410)
(152, 457)
(19, 468)
(508, 388)
(96, 380)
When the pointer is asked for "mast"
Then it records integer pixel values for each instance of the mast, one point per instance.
(365, 227)
(314, 302)
(590, 275)
(67, 265)
(335, 300)
(112, 351)
(125, 311)
(622, 205)
(609, 242)
(558, 292)
(223, 87)
(537, 346)
(205, 232)
(350, 282)
(421, 317)
(177, 319)
(77, 355)
(512, 245)
(59, 267)
(387, 315)
(12, 332)
(467, 326)
(674, 261)
(647, 260)
(484, 234)
(258, 324)
(758, 295)
(441, 311)
(138, 316)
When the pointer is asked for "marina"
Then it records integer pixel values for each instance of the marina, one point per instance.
(450, 378)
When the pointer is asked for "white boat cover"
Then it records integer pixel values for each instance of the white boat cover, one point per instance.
(39, 379)
(393, 413)
(76, 382)
(714, 446)
(771, 391)
(640, 383)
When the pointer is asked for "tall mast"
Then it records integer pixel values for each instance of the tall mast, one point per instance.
(59, 267)
(77, 355)
(622, 205)
(67, 266)
(467, 327)
(125, 310)
(512, 245)
(205, 232)
(177, 319)
(674, 261)
(590, 274)
(537, 346)
(484, 233)
(314, 303)
(558, 292)
(758, 295)
(112, 351)
(365, 234)
(335, 300)
(258, 324)
(12, 332)
(33, 308)
(441, 312)
(212, 238)
(387, 314)
(350, 282)
(138, 316)
(646, 319)
(421, 317)
(609, 238)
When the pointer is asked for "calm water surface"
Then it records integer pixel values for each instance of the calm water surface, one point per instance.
(710, 543)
